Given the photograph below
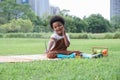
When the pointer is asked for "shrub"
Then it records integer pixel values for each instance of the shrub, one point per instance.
(3, 28)
(1, 35)
(25, 25)
(83, 36)
(33, 35)
(18, 25)
(15, 35)
(117, 35)
(108, 36)
(74, 36)
(96, 36)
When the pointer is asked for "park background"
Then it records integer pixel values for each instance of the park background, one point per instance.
(23, 32)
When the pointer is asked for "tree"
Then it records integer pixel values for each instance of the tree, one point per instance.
(25, 25)
(2, 20)
(18, 25)
(42, 24)
(115, 22)
(64, 12)
(9, 10)
(80, 24)
(97, 24)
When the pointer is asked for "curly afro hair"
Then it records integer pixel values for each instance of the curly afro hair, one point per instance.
(55, 19)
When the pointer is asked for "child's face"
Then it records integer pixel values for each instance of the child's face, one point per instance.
(58, 27)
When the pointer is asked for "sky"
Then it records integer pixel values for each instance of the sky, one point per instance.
(81, 8)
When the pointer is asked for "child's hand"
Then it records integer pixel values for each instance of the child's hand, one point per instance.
(63, 30)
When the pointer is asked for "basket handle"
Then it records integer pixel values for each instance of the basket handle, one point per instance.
(98, 47)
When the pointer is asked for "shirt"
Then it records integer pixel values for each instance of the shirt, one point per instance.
(57, 38)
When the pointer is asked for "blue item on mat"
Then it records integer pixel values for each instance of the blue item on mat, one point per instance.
(84, 55)
(66, 56)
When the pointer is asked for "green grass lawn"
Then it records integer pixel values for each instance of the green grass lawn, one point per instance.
(107, 68)
(17, 46)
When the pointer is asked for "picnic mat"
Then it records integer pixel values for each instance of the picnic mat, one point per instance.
(24, 58)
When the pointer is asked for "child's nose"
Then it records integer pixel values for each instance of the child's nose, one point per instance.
(58, 27)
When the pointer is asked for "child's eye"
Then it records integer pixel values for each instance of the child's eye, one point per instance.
(55, 27)
(60, 25)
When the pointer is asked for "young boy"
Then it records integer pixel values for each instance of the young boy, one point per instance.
(60, 41)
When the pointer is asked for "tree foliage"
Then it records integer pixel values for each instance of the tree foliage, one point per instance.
(18, 25)
(20, 18)
(9, 10)
(74, 24)
(97, 24)
(115, 22)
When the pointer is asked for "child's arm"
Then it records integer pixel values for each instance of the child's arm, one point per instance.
(52, 41)
(67, 43)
